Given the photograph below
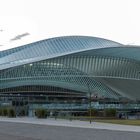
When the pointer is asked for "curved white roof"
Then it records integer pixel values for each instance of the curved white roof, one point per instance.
(50, 48)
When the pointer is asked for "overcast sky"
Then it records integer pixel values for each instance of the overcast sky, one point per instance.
(117, 20)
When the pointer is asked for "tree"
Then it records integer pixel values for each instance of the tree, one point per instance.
(111, 112)
(11, 112)
(94, 112)
(41, 113)
(4, 112)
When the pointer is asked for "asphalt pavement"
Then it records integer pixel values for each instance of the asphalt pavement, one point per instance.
(26, 131)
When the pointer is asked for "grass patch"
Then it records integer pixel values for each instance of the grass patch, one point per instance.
(123, 122)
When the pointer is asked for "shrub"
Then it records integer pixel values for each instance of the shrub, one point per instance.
(4, 112)
(0, 111)
(11, 112)
(22, 112)
(94, 112)
(110, 112)
(41, 113)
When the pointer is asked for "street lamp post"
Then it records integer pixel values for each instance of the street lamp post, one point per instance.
(90, 105)
(89, 99)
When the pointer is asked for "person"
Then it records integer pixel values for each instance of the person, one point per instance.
(120, 115)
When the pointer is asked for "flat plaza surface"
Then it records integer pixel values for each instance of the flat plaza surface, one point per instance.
(24, 130)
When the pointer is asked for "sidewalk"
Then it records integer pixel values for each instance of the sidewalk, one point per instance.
(73, 123)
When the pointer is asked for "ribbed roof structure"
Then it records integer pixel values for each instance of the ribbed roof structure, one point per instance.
(51, 48)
